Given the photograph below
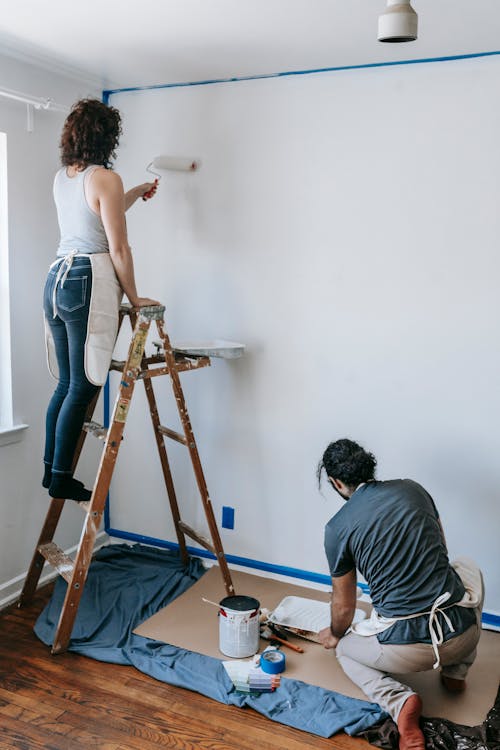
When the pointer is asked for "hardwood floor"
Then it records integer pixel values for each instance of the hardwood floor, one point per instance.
(70, 702)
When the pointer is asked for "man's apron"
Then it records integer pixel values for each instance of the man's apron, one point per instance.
(472, 580)
(102, 326)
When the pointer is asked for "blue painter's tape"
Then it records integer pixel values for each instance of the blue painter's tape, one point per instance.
(272, 662)
(417, 61)
(246, 562)
(106, 403)
(489, 619)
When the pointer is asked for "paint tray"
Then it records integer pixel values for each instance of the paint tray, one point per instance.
(210, 348)
(305, 617)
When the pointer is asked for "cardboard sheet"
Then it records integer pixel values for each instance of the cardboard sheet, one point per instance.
(190, 623)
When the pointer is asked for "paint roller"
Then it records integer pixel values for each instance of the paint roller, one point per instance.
(172, 163)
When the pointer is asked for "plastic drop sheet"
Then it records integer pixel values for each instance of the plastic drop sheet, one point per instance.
(441, 734)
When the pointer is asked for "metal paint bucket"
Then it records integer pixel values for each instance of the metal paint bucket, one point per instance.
(239, 626)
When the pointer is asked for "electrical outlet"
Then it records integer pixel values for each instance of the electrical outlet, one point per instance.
(227, 517)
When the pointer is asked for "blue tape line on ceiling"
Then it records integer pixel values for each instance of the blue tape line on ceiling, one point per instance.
(419, 61)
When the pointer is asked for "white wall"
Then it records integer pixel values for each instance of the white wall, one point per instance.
(33, 159)
(345, 227)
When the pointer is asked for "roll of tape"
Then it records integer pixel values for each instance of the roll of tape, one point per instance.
(272, 662)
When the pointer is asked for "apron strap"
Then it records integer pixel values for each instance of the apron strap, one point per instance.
(61, 276)
(435, 629)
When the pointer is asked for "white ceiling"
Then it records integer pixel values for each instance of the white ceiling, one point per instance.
(122, 43)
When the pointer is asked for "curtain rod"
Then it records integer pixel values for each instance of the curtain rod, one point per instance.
(35, 101)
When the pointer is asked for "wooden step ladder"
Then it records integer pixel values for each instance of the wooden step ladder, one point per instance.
(137, 366)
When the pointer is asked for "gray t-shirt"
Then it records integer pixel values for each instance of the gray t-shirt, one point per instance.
(390, 532)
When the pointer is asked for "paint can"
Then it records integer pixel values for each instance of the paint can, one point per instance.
(239, 626)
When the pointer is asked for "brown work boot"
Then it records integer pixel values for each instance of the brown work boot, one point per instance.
(452, 685)
(411, 736)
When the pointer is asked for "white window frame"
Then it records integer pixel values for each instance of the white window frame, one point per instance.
(9, 432)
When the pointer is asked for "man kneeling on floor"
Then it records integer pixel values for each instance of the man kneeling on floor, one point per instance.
(426, 611)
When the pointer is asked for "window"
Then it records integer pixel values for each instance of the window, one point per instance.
(9, 432)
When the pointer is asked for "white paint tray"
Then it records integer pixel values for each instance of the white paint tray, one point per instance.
(306, 617)
(211, 348)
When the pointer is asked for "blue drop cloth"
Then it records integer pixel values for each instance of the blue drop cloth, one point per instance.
(127, 585)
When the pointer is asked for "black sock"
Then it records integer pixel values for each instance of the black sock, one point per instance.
(65, 486)
(47, 476)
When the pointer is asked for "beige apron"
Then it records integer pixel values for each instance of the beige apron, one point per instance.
(102, 327)
(472, 580)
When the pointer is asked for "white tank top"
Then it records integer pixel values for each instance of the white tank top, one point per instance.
(81, 228)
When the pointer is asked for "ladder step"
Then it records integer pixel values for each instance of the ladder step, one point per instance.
(96, 429)
(182, 363)
(172, 434)
(85, 506)
(192, 534)
(59, 560)
(118, 365)
(152, 312)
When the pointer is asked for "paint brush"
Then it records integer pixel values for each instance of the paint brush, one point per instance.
(268, 635)
(209, 602)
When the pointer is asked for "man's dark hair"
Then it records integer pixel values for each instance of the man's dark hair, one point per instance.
(90, 134)
(346, 460)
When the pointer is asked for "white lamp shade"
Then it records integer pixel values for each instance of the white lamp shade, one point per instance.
(399, 23)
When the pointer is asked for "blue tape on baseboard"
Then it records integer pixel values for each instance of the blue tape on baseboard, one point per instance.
(489, 619)
(246, 562)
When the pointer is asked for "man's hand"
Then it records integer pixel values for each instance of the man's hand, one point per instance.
(327, 639)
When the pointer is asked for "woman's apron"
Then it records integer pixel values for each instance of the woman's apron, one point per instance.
(472, 580)
(102, 326)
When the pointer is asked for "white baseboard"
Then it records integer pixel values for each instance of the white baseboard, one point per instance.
(11, 590)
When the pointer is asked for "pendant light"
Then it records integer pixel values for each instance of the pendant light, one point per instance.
(399, 23)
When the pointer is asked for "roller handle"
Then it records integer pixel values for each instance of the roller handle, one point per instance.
(151, 192)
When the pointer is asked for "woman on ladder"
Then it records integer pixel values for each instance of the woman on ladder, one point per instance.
(85, 284)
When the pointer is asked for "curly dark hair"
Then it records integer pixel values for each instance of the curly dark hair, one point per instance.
(347, 461)
(90, 134)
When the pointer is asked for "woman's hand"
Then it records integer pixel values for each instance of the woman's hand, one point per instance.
(145, 190)
(143, 302)
(148, 189)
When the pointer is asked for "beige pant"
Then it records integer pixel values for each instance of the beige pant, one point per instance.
(370, 664)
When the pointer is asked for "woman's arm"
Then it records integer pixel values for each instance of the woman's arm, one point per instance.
(105, 191)
(144, 191)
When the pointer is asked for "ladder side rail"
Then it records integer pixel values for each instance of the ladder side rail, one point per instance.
(195, 458)
(88, 418)
(162, 451)
(101, 487)
(51, 521)
(38, 560)
(167, 473)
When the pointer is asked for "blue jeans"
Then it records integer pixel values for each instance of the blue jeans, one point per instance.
(68, 405)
